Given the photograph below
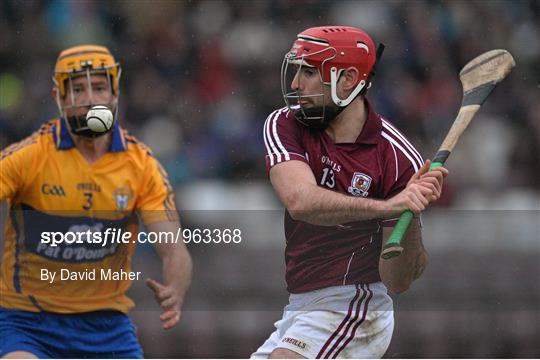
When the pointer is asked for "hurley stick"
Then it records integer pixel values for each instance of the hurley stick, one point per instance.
(478, 78)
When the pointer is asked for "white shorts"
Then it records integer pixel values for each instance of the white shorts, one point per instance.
(353, 321)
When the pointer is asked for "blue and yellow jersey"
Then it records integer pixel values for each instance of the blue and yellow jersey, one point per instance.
(50, 187)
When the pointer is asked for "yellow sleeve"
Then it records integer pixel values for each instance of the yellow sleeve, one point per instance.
(14, 160)
(156, 200)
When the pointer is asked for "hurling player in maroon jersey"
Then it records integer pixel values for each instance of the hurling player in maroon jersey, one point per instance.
(344, 174)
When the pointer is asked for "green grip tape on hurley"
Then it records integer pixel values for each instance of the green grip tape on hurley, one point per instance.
(393, 246)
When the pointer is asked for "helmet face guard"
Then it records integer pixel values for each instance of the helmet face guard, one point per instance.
(85, 62)
(315, 118)
(330, 50)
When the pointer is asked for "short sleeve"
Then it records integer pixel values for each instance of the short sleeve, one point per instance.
(282, 139)
(14, 160)
(156, 199)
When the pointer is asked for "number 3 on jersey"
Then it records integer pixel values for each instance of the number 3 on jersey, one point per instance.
(88, 197)
(328, 178)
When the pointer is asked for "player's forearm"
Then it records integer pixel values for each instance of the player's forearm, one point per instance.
(177, 269)
(177, 266)
(399, 272)
(319, 206)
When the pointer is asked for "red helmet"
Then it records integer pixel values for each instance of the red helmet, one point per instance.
(336, 46)
(330, 49)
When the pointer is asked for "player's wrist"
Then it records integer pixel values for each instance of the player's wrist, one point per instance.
(378, 208)
(389, 209)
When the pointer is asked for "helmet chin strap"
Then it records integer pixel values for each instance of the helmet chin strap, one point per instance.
(334, 75)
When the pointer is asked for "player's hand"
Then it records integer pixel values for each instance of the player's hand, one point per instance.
(169, 300)
(423, 187)
(434, 177)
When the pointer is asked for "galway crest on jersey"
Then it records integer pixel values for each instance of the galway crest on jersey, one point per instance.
(360, 184)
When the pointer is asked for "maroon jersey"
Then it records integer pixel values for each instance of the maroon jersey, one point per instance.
(378, 165)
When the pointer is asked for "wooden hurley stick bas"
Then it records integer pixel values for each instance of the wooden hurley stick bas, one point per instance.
(478, 78)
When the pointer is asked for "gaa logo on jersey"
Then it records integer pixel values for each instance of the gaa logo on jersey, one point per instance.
(360, 184)
(55, 190)
(122, 196)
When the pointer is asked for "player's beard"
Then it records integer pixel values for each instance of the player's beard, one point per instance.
(318, 118)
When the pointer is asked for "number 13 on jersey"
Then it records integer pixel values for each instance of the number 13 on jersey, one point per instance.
(328, 178)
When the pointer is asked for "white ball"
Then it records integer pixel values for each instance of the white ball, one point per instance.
(99, 119)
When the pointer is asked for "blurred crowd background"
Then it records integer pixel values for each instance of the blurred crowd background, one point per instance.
(199, 79)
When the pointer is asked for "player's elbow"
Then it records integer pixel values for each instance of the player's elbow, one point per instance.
(398, 278)
(396, 284)
(398, 288)
(297, 214)
(296, 206)
(301, 207)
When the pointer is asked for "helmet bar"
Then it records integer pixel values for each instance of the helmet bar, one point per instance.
(313, 40)
(112, 71)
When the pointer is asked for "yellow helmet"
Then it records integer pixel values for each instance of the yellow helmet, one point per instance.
(84, 61)
(83, 58)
